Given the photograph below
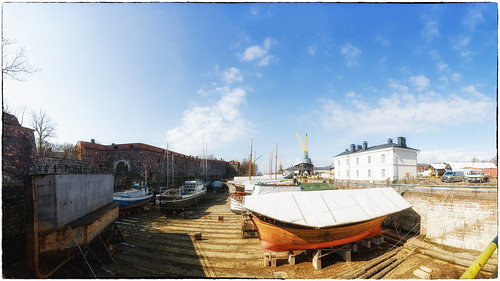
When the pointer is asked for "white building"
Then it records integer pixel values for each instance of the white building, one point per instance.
(393, 161)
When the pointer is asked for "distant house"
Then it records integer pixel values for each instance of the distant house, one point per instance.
(435, 170)
(389, 161)
(486, 168)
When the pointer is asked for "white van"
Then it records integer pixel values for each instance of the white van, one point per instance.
(453, 176)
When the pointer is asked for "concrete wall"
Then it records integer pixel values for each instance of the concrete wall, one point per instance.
(458, 217)
(61, 199)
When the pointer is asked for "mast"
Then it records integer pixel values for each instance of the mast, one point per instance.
(167, 163)
(276, 164)
(250, 167)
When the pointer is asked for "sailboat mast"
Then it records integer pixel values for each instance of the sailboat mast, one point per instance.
(167, 163)
(276, 164)
(250, 167)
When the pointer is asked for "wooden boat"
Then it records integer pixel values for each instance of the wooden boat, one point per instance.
(318, 219)
(135, 197)
(236, 199)
(279, 237)
(65, 215)
(188, 195)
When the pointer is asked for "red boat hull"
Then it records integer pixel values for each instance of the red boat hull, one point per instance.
(285, 237)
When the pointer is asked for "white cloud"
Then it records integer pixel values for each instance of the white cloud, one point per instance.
(232, 75)
(420, 82)
(312, 50)
(350, 94)
(430, 31)
(405, 112)
(223, 118)
(254, 10)
(472, 18)
(259, 53)
(442, 66)
(351, 54)
(397, 86)
(382, 40)
(455, 77)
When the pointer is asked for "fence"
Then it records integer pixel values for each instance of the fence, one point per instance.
(461, 223)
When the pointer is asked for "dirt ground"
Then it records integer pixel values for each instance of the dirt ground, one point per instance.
(160, 246)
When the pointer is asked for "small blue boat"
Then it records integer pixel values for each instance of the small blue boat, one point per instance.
(132, 198)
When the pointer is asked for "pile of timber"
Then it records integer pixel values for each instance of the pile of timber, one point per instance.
(375, 269)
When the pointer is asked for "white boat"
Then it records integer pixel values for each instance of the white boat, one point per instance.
(188, 195)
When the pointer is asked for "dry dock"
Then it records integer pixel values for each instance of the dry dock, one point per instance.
(160, 246)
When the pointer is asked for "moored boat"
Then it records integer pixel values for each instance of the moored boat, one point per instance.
(258, 188)
(318, 219)
(188, 195)
(132, 198)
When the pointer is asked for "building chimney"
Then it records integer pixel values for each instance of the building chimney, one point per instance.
(365, 145)
(353, 148)
(359, 147)
(389, 140)
(92, 140)
(402, 141)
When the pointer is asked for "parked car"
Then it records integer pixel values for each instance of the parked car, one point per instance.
(476, 176)
(453, 176)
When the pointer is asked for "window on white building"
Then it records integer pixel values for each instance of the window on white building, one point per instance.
(369, 159)
(357, 173)
(383, 173)
(347, 162)
(357, 160)
(347, 173)
(339, 163)
(369, 172)
(383, 158)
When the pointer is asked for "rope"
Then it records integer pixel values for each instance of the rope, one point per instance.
(81, 251)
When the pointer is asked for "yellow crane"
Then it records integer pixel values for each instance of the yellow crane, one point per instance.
(304, 148)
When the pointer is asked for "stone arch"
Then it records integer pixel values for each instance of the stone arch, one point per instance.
(122, 167)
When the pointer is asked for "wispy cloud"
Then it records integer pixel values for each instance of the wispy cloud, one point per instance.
(232, 75)
(472, 18)
(223, 117)
(407, 112)
(382, 40)
(430, 30)
(259, 53)
(420, 82)
(351, 54)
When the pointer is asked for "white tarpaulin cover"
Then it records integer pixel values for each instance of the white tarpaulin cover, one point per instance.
(265, 189)
(327, 207)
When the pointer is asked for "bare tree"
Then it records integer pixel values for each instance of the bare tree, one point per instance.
(44, 127)
(15, 63)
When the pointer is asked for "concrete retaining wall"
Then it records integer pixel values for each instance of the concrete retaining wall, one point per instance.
(61, 199)
(462, 218)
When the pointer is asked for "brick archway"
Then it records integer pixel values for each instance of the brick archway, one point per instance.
(122, 167)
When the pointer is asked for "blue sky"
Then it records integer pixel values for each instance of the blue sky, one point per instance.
(226, 73)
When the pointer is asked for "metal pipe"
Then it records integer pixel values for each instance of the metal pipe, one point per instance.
(478, 264)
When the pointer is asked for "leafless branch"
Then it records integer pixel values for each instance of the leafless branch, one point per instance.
(44, 127)
(16, 64)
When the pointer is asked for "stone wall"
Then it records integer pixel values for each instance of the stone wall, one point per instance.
(18, 149)
(132, 162)
(18, 157)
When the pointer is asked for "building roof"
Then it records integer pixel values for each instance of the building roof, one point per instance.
(376, 147)
(470, 165)
(439, 166)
